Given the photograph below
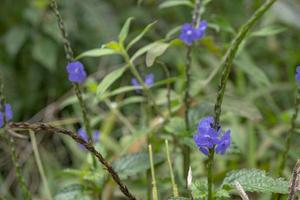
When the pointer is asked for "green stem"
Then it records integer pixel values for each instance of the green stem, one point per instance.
(209, 173)
(174, 185)
(39, 163)
(21, 182)
(154, 187)
(231, 53)
(70, 57)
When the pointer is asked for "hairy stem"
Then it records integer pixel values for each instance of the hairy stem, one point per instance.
(70, 57)
(88, 145)
(231, 53)
(11, 141)
(210, 166)
(289, 135)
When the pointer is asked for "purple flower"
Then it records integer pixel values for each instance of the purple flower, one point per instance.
(149, 80)
(224, 143)
(81, 132)
(189, 33)
(297, 77)
(207, 137)
(8, 114)
(76, 72)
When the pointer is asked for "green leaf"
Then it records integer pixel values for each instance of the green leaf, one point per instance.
(132, 164)
(267, 31)
(178, 198)
(246, 64)
(172, 3)
(97, 53)
(113, 45)
(137, 38)
(109, 80)
(255, 180)
(14, 39)
(72, 192)
(155, 51)
(142, 50)
(124, 31)
(176, 126)
(45, 51)
(199, 189)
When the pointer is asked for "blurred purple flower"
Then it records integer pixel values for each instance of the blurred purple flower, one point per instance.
(76, 72)
(297, 77)
(190, 34)
(8, 114)
(149, 80)
(207, 137)
(81, 132)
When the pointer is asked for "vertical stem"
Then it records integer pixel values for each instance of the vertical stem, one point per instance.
(21, 182)
(174, 185)
(209, 173)
(154, 188)
(39, 163)
(186, 150)
(70, 57)
(289, 136)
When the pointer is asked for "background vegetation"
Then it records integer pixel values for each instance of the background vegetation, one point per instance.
(258, 103)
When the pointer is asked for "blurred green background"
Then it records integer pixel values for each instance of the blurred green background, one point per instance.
(260, 94)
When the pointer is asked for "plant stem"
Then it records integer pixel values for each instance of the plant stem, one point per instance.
(154, 188)
(11, 141)
(174, 185)
(39, 163)
(231, 53)
(287, 145)
(185, 149)
(70, 57)
(289, 135)
(209, 173)
(89, 146)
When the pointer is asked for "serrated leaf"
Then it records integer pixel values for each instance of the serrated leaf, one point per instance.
(124, 31)
(132, 164)
(97, 53)
(199, 189)
(137, 38)
(155, 51)
(255, 180)
(72, 192)
(267, 31)
(172, 3)
(109, 80)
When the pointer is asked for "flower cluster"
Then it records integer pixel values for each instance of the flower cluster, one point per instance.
(8, 114)
(149, 80)
(76, 72)
(297, 77)
(190, 34)
(208, 138)
(96, 134)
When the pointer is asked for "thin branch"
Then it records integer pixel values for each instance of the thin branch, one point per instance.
(88, 145)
